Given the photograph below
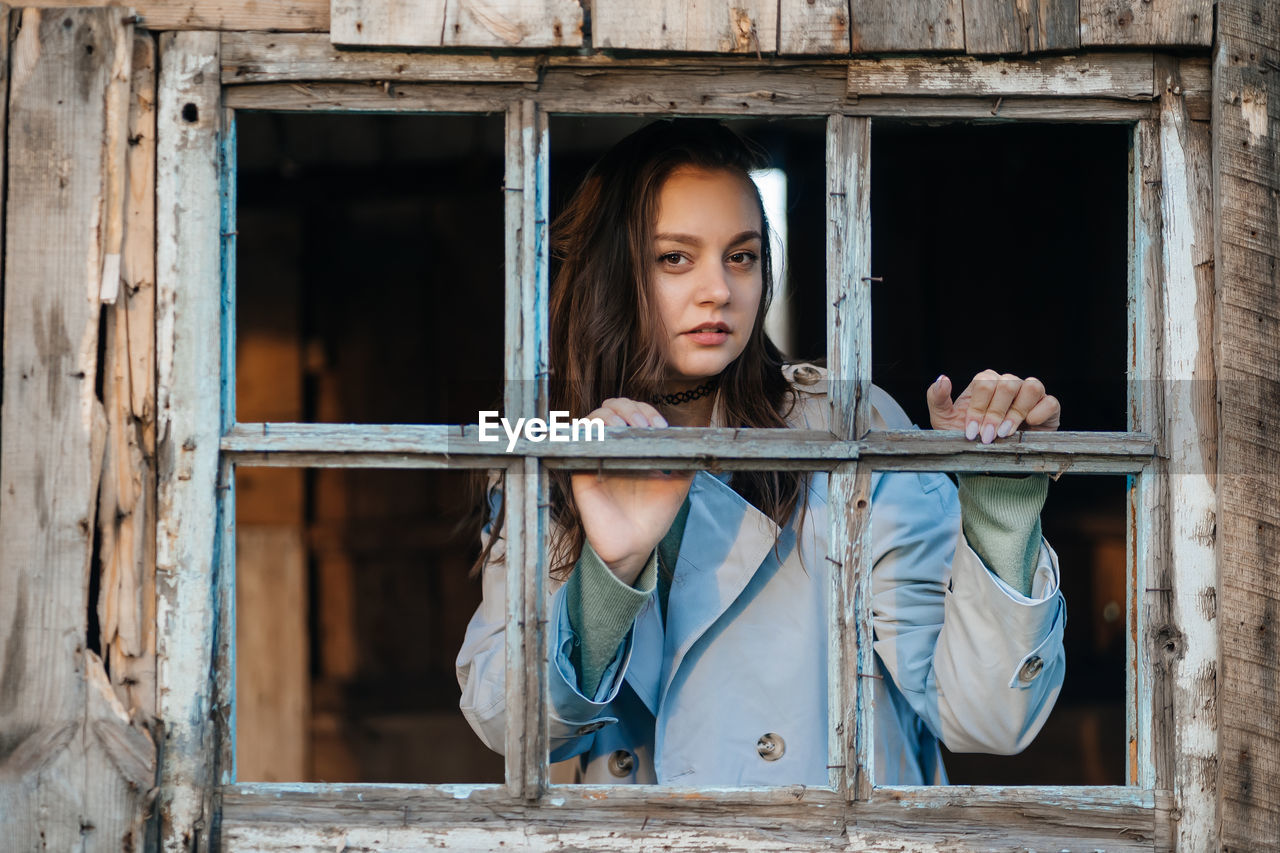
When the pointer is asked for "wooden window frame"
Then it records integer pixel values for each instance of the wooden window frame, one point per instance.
(207, 76)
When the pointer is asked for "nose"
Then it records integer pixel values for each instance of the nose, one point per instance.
(713, 286)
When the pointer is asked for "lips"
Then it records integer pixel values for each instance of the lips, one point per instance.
(709, 333)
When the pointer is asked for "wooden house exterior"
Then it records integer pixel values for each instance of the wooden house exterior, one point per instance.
(119, 439)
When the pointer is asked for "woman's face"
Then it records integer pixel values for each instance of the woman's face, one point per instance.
(707, 275)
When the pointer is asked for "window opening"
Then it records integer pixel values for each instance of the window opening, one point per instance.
(1083, 741)
(792, 188)
(353, 595)
(369, 288)
(1020, 230)
(369, 275)
(1004, 246)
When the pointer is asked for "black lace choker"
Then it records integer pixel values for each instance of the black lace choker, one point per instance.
(679, 397)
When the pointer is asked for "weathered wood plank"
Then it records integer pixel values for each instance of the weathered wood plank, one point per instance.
(597, 818)
(804, 93)
(1195, 80)
(1011, 464)
(1073, 110)
(1116, 75)
(524, 395)
(372, 97)
(285, 444)
(126, 512)
(113, 206)
(456, 23)
(4, 138)
(914, 26)
(74, 771)
(224, 549)
(520, 547)
(848, 154)
(1149, 711)
(292, 15)
(1191, 439)
(813, 27)
(714, 26)
(1146, 23)
(275, 57)
(1020, 26)
(1246, 165)
(188, 352)
(601, 83)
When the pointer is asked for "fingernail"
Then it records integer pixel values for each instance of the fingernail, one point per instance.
(661, 421)
(971, 431)
(988, 434)
(1005, 428)
(941, 376)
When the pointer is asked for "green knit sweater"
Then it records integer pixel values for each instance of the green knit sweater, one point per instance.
(1000, 517)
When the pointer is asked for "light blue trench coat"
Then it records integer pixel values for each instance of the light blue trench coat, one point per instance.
(734, 690)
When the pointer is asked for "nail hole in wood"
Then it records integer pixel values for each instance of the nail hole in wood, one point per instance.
(190, 113)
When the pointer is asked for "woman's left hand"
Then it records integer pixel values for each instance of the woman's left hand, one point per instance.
(993, 406)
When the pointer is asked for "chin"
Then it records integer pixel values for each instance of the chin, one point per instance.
(701, 366)
(701, 372)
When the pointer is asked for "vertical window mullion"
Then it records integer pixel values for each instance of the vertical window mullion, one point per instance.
(188, 391)
(1148, 765)
(850, 706)
(225, 548)
(1188, 646)
(524, 395)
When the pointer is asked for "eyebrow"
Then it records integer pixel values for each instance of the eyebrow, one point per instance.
(691, 240)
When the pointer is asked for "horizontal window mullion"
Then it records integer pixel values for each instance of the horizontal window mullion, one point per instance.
(255, 799)
(467, 98)
(271, 817)
(461, 447)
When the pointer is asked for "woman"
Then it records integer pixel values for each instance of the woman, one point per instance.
(687, 625)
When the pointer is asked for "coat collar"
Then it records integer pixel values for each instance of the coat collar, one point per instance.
(730, 539)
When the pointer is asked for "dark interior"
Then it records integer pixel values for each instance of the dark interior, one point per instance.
(370, 290)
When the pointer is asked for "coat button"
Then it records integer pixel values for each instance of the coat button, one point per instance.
(620, 763)
(588, 728)
(771, 746)
(1031, 669)
(806, 374)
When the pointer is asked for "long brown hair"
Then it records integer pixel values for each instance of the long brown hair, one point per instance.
(604, 324)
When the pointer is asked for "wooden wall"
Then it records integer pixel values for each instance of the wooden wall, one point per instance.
(1246, 167)
(79, 714)
(751, 27)
(77, 512)
(789, 27)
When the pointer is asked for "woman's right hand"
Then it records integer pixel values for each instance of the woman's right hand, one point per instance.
(626, 513)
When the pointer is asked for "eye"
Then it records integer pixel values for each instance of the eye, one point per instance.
(744, 258)
(671, 259)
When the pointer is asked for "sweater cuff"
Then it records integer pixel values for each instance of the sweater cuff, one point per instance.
(601, 611)
(1001, 517)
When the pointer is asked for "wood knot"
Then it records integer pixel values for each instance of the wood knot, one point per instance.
(1170, 642)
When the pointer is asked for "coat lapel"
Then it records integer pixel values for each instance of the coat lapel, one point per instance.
(725, 541)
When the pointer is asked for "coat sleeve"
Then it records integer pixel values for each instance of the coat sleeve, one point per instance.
(481, 666)
(978, 661)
